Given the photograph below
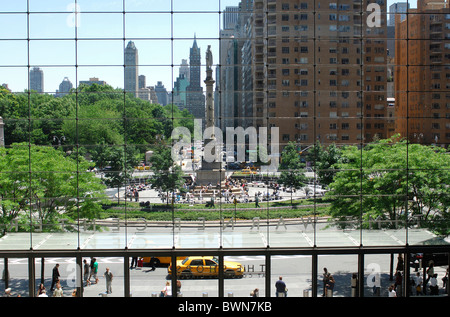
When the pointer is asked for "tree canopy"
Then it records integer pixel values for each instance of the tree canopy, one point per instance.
(394, 181)
(46, 185)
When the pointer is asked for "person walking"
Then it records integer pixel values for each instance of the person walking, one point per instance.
(95, 270)
(280, 286)
(55, 276)
(86, 272)
(134, 262)
(108, 277)
(430, 273)
(256, 201)
(330, 286)
(325, 279)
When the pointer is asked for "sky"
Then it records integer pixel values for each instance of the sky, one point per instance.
(101, 29)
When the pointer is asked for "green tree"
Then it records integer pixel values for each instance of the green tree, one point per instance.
(43, 181)
(391, 180)
(167, 175)
(116, 162)
(292, 169)
(324, 160)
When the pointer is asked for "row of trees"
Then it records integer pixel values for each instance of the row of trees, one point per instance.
(53, 144)
(388, 180)
(91, 115)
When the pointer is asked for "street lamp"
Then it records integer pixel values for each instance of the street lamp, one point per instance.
(59, 139)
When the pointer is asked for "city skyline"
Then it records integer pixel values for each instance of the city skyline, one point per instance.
(102, 36)
(99, 48)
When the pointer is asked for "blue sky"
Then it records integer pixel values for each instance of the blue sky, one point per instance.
(148, 23)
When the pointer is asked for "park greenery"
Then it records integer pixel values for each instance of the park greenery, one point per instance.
(53, 145)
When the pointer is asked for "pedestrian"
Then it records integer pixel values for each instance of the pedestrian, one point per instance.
(167, 291)
(41, 288)
(86, 272)
(95, 270)
(43, 294)
(91, 268)
(326, 277)
(58, 291)
(280, 286)
(153, 263)
(434, 287)
(398, 283)
(391, 291)
(430, 273)
(55, 276)
(418, 284)
(254, 293)
(330, 286)
(256, 201)
(400, 263)
(109, 277)
(178, 287)
(7, 292)
(133, 262)
(445, 281)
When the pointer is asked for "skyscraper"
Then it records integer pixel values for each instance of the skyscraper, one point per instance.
(195, 100)
(37, 80)
(131, 69)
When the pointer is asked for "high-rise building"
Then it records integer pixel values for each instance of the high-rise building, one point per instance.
(64, 87)
(195, 100)
(422, 56)
(230, 17)
(316, 71)
(131, 69)
(142, 81)
(397, 9)
(184, 69)
(161, 93)
(37, 80)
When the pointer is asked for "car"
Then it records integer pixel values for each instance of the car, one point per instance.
(198, 266)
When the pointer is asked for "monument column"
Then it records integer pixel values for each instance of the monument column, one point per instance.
(211, 172)
(209, 82)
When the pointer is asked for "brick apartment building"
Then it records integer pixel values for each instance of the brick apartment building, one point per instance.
(316, 70)
(422, 73)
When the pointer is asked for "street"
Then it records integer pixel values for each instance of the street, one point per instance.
(144, 282)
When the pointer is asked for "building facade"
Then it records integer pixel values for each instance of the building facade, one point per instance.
(131, 69)
(421, 75)
(195, 100)
(315, 71)
(64, 87)
(37, 80)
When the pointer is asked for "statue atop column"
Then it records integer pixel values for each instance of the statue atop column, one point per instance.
(209, 58)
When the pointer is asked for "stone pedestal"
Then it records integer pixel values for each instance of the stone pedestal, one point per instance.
(210, 172)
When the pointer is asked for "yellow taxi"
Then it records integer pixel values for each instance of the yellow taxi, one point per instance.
(160, 260)
(204, 266)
